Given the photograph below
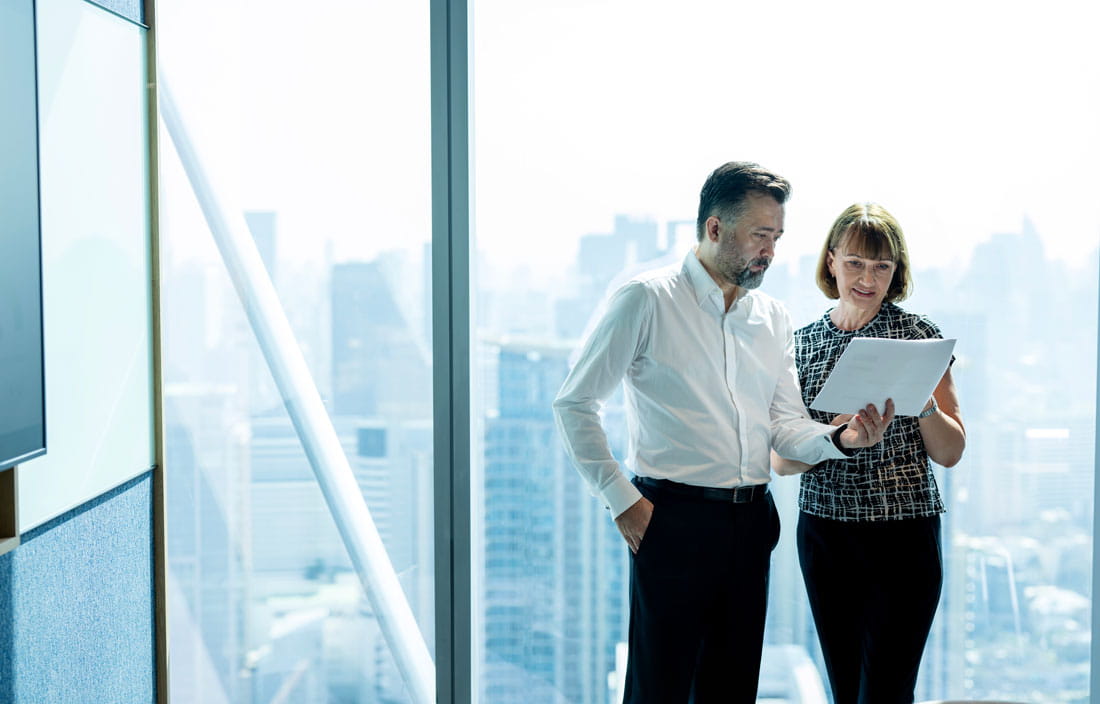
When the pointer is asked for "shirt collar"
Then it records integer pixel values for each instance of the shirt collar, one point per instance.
(707, 292)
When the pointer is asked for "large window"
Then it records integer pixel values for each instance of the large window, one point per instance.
(312, 128)
(595, 125)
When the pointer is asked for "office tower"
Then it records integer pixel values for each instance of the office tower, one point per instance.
(381, 366)
(295, 537)
(302, 289)
(1017, 568)
(393, 466)
(207, 570)
(602, 257)
(205, 446)
(554, 565)
(602, 260)
(300, 563)
(382, 402)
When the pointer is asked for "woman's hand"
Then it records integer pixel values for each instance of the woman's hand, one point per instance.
(867, 427)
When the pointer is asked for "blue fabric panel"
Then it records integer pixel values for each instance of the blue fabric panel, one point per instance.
(133, 10)
(77, 605)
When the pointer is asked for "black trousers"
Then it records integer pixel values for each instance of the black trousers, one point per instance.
(873, 589)
(698, 595)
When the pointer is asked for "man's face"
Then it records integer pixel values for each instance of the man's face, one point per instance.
(746, 247)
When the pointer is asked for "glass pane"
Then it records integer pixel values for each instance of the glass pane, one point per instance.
(597, 123)
(95, 259)
(314, 131)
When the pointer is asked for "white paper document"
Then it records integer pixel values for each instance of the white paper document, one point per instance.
(873, 369)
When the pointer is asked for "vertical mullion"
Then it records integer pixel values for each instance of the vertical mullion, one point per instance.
(451, 347)
(160, 496)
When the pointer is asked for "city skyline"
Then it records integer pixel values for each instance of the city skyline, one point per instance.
(973, 123)
(1043, 451)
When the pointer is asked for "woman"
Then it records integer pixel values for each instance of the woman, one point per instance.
(869, 526)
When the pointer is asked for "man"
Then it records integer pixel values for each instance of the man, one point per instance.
(710, 388)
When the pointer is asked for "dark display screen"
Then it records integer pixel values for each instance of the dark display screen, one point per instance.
(22, 403)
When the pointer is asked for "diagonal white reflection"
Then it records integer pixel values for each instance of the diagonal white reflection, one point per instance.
(307, 412)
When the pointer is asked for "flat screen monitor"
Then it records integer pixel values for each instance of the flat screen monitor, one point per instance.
(22, 381)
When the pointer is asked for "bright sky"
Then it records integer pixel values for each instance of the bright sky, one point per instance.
(960, 117)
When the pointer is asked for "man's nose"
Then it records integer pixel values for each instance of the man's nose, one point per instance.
(768, 249)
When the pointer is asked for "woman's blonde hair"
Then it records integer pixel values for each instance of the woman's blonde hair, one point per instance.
(867, 230)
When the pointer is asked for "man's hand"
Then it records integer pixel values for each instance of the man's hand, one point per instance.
(634, 521)
(841, 419)
(867, 427)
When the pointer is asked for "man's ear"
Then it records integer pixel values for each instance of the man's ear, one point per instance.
(711, 227)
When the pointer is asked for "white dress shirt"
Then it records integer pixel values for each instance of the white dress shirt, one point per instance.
(708, 391)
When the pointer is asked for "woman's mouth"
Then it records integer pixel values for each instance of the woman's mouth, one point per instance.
(862, 293)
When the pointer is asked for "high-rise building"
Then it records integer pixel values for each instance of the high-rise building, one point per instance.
(295, 537)
(603, 259)
(554, 565)
(207, 565)
(381, 365)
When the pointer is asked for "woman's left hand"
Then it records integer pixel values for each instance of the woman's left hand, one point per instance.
(867, 427)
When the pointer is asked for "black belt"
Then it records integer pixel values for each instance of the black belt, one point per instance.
(736, 495)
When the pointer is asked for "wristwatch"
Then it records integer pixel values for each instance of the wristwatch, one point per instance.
(930, 410)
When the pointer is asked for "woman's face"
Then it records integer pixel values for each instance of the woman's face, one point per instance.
(861, 281)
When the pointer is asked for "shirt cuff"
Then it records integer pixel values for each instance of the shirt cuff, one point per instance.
(619, 495)
(848, 452)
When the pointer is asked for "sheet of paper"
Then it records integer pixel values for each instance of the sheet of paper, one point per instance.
(873, 369)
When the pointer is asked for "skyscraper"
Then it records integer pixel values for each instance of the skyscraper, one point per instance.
(381, 366)
(601, 259)
(554, 564)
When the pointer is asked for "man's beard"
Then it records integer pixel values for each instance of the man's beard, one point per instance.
(747, 278)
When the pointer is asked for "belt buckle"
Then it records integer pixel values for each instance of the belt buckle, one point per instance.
(743, 494)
